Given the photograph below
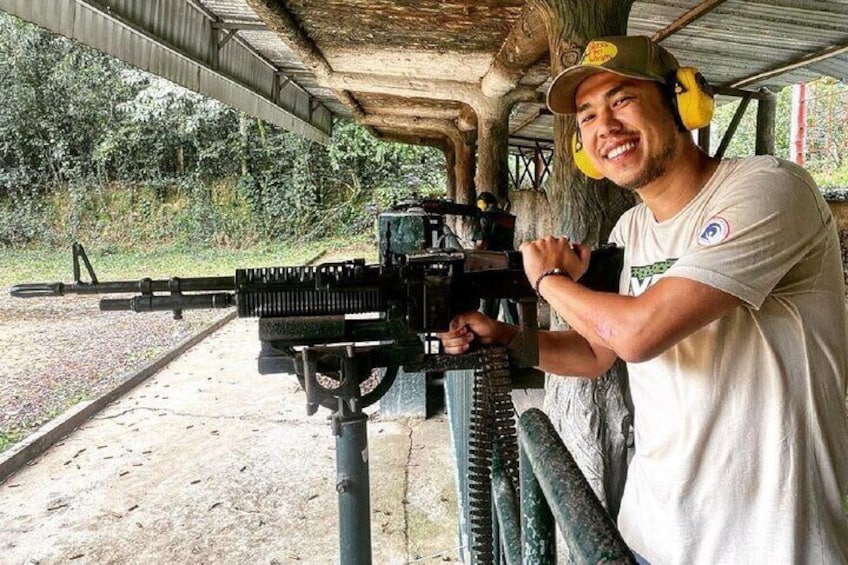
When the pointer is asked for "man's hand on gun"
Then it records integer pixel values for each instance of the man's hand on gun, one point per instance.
(539, 256)
(550, 253)
(473, 326)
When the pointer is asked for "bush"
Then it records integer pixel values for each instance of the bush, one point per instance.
(23, 220)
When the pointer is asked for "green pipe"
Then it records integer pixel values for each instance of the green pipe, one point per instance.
(508, 519)
(538, 544)
(588, 530)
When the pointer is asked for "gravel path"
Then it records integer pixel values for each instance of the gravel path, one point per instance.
(57, 352)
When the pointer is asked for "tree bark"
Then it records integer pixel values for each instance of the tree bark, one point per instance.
(244, 148)
(450, 170)
(493, 148)
(465, 193)
(592, 416)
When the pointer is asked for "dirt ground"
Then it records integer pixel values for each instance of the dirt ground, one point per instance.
(209, 462)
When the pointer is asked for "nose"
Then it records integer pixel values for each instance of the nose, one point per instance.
(607, 122)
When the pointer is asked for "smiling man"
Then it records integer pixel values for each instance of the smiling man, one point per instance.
(730, 315)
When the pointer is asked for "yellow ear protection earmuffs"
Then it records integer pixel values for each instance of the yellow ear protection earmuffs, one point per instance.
(693, 97)
(693, 100)
(581, 159)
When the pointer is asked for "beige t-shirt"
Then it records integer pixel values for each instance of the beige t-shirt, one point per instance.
(741, 435)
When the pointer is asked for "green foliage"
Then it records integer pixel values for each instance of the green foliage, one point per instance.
(826, 130)
(57, 96)
(93, 150)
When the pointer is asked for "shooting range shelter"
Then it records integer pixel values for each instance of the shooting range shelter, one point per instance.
(469, 78)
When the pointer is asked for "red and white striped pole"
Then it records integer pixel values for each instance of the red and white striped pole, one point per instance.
(798, 132)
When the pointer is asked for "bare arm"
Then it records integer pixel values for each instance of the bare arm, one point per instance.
(635, 328)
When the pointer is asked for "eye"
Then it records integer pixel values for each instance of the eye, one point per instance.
(622, 100)
(585, 118)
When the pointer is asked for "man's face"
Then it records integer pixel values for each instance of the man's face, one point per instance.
(627, 128)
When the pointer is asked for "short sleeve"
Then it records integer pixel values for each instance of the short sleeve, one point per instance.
(616, 236)
(759, 226)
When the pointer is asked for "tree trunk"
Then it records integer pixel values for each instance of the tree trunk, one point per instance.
(592, 416)
(465, 193)
(450, 174)
(493, 148)
(450, 170)
(244, 145)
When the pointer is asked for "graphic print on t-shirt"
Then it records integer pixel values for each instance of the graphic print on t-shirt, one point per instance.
(715, 231)
(643, 277)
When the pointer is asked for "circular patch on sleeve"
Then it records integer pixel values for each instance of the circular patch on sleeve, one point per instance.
(715, 231)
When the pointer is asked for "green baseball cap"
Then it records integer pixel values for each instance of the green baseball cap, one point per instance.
(634, 56)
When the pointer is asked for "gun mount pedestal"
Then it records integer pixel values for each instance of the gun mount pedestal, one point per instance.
(353, 484)
(346, 367)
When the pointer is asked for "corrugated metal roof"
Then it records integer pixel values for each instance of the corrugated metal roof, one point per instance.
(397, 53)
(741, 38)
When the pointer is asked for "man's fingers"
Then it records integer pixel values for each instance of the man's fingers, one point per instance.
(583, 252)
(456, 342)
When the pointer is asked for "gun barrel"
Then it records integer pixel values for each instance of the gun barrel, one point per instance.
(37, 290)
(169, 303)
(143, 286)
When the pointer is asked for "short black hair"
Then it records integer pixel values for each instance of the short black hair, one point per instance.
(669, 94)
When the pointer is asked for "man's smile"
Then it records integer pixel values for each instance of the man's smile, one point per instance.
(620, 150)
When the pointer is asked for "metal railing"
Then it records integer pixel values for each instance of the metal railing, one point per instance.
(553, 491)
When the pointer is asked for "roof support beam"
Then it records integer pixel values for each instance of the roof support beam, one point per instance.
(821, 55)
(526, 43)
(530, 119)
(240, 26)
(690, 16)
(446, 128)
(280, 21)
(230, 34)
(731, 128)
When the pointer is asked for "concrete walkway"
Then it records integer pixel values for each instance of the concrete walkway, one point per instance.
(210, 462)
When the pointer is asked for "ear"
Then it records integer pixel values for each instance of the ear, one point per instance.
(581, 159)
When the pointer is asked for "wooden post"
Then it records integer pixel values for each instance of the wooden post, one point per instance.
(766, 110)
(450, 170)
(492, 148)
(465, 193)
(798, 134)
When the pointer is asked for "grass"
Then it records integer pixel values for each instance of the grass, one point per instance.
(8, 438)
(162, 262)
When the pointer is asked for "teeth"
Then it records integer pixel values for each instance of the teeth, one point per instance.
(620, 149)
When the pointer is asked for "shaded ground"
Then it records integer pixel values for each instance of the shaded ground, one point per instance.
(209, 462)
